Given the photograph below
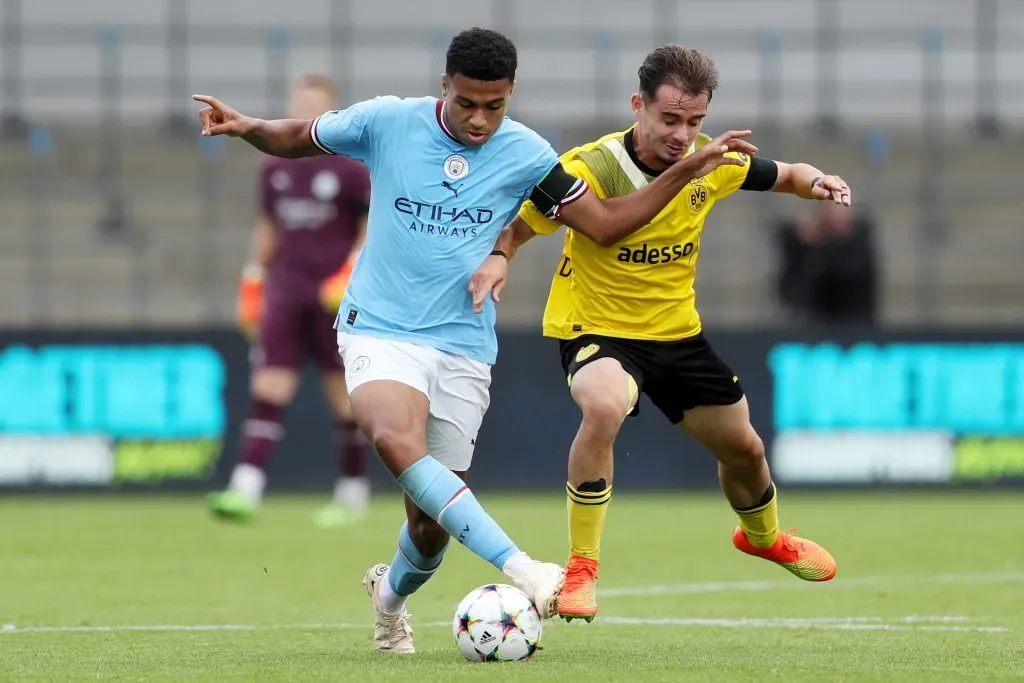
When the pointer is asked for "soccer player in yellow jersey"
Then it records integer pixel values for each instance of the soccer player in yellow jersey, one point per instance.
(624, 314)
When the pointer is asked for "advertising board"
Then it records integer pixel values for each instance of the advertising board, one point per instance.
(130, 410)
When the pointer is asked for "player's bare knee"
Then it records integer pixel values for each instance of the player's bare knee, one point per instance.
(274, 385)
(397, 448)
(746, 453)
(603, 411)
(600, 431)
(604, 393)
(390, 442)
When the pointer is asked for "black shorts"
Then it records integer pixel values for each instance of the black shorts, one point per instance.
(676, 375)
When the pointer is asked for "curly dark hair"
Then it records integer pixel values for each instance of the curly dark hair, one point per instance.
(483, 55)
(687, 68)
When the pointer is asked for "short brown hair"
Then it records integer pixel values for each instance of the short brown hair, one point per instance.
(687, 68)
(318, 82)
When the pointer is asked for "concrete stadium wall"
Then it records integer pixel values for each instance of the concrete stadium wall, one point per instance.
(577, 57)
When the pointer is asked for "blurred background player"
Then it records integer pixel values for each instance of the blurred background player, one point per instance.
(625, 316)
(310, 230)
(828, 268)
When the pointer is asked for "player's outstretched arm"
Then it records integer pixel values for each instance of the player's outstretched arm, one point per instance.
(288, 138)
(804, 180)
(610, 220)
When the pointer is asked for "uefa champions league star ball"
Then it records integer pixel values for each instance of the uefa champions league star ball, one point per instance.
(496, 623)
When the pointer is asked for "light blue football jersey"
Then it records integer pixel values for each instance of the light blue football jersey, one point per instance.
(436, 208)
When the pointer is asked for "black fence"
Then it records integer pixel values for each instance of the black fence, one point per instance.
(87, 409)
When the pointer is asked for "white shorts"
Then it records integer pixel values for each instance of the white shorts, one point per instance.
(456, 386)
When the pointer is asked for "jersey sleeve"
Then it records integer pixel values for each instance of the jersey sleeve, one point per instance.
(541, 210)
(352, 132)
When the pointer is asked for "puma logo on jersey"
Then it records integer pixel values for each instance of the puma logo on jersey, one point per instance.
(655, 255)
(454, 189)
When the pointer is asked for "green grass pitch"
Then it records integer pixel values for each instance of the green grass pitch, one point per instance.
(930, 588)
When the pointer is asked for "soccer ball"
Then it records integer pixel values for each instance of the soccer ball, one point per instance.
(496, 623)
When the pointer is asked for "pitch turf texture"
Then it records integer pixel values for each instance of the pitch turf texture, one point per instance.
(930, 588)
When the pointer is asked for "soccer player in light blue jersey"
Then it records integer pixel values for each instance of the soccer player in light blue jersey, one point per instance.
(447, 175)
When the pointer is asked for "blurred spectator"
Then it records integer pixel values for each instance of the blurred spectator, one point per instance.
(827, 269)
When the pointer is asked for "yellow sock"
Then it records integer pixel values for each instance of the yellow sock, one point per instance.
(586, 517)
(761, 523)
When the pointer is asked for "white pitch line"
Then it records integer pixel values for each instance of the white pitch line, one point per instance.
(907, 623)
(796, 584)
(11, 628)
(827, 624)
(913, 622)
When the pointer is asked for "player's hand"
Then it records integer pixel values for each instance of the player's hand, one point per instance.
(220, 119)
(489, 278)
(713, 154)
(832, 187)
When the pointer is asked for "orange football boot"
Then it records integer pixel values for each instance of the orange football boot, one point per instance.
(578, 599)
(806, 559)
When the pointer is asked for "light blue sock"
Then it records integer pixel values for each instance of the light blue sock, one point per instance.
(437, 491)
(411, 569)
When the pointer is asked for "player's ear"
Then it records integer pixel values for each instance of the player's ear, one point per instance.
(512, 90)
(444, 86)
(637, 103)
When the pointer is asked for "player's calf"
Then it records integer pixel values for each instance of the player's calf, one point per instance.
(725, 430)
(273, 388)
(428, 536)
(743, 469)
(605, 394)
(351, 498)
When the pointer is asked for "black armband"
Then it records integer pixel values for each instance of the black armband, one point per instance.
(499, 252)
(761, 175)
(558, 189)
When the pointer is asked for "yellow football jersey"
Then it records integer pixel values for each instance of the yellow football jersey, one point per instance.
(641, 287)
